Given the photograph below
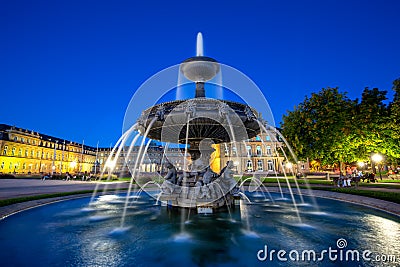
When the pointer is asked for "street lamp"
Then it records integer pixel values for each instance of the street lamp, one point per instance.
(377, 158)
(73, 165)
(289, 165)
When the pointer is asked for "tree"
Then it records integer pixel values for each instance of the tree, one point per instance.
(393, 125)
(370, 133)
(320, 126)
(328, 127)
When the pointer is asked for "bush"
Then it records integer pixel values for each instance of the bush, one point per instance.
(6, 176)
(108, 177)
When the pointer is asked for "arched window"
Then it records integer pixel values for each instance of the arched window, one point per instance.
(259, 165)
(249, 166)
(269, 151)
(248, 149)
(234, 150)
(270, 165)
(259, 151)
(226, 151)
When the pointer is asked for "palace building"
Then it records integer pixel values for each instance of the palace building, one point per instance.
(24, 151)
(262, 154)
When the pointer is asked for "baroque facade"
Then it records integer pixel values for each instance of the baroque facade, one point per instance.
(262, 154)
(24, 151)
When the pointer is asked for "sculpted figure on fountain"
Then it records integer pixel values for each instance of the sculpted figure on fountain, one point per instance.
(169, 184)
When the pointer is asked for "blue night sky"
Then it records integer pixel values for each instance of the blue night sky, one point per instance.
(70, 68)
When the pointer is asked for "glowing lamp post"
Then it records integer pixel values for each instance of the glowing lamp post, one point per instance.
(110, 164)
(377, 158)
(73, 165)
(289, 167)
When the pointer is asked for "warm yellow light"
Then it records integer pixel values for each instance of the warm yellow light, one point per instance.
(361, 164)
(73, 164)
(110, 164)
(377, 158)
(289, 165)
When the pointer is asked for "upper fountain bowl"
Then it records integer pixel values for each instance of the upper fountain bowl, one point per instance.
(200, 68)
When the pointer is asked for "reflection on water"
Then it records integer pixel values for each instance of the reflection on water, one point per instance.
(75, 234)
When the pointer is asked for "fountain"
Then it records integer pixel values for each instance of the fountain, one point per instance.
(198, 124)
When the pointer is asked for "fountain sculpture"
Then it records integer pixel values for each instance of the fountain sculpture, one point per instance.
(198, 123)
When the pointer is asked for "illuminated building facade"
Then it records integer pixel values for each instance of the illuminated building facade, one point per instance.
(154, 161)
(24, 151)
(262, 153)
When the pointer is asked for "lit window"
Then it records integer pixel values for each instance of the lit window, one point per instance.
(226, 150)
(234, 149)
(249, 165)
(38, 154)
(259, 165)
(5, 150)
(270, 165)
(259, 151)
(32, 153)
(248, 148)
(26, 153)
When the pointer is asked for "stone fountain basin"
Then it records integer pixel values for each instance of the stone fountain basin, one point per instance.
(71, 233)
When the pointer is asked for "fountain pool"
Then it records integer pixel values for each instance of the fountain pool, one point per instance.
(77, 233)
